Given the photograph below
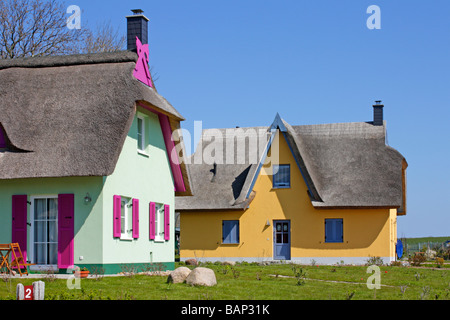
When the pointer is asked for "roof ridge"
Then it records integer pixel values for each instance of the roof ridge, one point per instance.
(69, 60)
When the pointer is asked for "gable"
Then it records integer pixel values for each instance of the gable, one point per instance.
(280, 153)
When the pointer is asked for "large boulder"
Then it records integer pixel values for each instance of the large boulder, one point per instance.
(202, 277)
(179, 275)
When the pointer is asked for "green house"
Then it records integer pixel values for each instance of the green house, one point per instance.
(86, 173)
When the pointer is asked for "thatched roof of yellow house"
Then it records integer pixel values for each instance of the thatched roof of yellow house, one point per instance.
(344, 165)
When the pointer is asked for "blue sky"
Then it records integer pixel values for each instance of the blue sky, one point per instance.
(238, 63)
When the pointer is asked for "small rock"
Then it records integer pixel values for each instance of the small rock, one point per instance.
(229, 263)
(179, 275)
(191, 262)
(202, 277)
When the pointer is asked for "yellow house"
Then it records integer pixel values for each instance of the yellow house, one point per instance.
(322, 194)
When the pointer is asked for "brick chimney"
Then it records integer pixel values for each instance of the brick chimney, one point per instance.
(378, 113)
(137, 26)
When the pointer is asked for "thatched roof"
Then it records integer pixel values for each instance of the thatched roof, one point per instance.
(344, 165)
(69, 115)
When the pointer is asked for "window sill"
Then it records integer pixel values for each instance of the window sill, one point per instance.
(281, 187)
(143, 153)
(126, 239)
(229, 244)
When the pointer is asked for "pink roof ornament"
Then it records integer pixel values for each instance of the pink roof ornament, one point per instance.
(141, 71)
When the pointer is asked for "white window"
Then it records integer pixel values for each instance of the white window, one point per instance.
(126, 218)
(141, 133)
(159, 222)
(44, 230)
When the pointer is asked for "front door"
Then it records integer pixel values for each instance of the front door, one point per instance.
(282, 240)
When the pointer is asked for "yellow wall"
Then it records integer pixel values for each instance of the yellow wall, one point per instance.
(367, 232)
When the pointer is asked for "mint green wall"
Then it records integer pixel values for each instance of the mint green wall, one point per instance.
(88, 217)
(146, 177)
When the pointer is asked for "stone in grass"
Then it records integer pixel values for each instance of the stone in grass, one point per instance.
(202, 277)
(191, 262)
(178, 275)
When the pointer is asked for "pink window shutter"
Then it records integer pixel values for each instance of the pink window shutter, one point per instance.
(116, 217)
(152, 213)
(65, 230)
(166, 222)
(19, 222)
(135, 218)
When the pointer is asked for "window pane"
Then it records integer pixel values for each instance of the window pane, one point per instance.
(279, 238)
(52, 208)
(123, 208)
(285, 238)
(39, 231)
(281, 177)
(52, 231)
(40, 209)
(40, 253)
(53, 253)
(140, 134)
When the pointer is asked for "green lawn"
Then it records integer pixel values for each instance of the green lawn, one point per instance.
(256, 282)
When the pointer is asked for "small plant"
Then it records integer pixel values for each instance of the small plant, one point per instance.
(349, 295)
(49, 275)
(403, 289)
(236, 273)
(299, 274)
(418, 276)
(374, 261)
(128, 270)
(98, 272)
(152, 267)
(425, 292)
(225, 269)
(439, 262)
(396, 263)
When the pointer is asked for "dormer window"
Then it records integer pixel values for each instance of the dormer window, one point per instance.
(141, 134)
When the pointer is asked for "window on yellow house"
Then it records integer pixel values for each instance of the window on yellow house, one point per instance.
(230, 231)
(334, 230)
(282, 176)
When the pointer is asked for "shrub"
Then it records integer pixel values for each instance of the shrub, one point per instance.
(417, 259)
(299, 274)
(439, 262)
(396, 263)
(374, 261)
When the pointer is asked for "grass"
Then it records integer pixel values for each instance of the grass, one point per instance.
(412, 241)
(257, 282)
